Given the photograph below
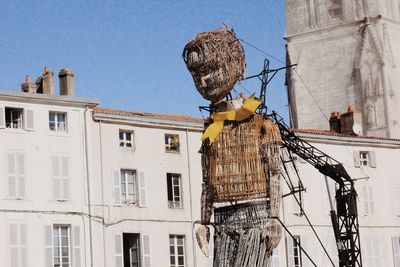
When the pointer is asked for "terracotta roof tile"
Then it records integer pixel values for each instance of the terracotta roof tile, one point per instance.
(173, 117)
(326, 132)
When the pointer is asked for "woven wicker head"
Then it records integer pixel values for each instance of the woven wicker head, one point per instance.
(216, 61)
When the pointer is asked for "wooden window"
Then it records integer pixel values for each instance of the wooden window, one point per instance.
(294, 252)
(126, 138)
(177, 250)
(16, 175)
(60, 177)
(132, 250)
(18, 245)
(172, 143)
(57, 121)
(14, 118)
(364, 159)
(128, 186)
(396, 250)
(61, 246)
(174, 189)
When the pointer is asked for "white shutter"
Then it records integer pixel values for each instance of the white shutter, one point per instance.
(48, 246)
(356, 158)
(21, 174)
(118, 250)
(56, 177)
(12, 174)
(142, 189)
(290, 251)
(77, 246)
(146, 256)
(29, 121)
(304, 259)
(396, 251)
(13, 244)
(65, 177)
(372, 159)
(24, 245)
(274, 261)
(2, 118)
(117, 186)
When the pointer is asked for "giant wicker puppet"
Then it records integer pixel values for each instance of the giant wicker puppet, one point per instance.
(240, 158)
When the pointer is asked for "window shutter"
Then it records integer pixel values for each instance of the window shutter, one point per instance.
(117, 187)
(2, 118)
(146, 256)
(372, 159)
(29, 123)
(304, 259)
(24, 244)
(48, 246)
(142, 190)
(396, 250)
(13, 245)
(66, 177)
(290, 252)
(118, 250)
(11, 174)
(77, 246)
(55, 179)
(275, 258)
(356, 159)
(21, 174)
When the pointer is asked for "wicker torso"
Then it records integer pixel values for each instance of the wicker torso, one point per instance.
(234, 163)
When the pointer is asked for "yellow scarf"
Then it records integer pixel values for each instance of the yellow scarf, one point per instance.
(246, 110)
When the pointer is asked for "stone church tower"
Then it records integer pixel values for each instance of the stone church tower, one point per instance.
(348, 54)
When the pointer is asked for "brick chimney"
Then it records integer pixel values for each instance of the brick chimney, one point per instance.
(334, 122)
(45, 83)
(28, 86)
(66, 78)
(349, 119)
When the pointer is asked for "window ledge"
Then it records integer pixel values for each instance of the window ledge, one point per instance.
(15, 130)
(22, 199)
(172, 152)
(59, 134)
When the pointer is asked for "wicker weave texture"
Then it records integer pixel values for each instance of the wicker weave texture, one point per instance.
(235, 164)
(216, 62)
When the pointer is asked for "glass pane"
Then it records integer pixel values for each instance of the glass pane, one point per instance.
(55, 231)
(56, 260)
(130, 177)
(64, 231)
(64, 241)
(64, 251)
(56, 241)
(171, 250)
(128, 136)
(128, 144)
(52, 116)
(121, 136)
(121, 144)
(180, 241)
(180, 250)
(171, 241)
(172, 259)
(181, 260)
(56, 251)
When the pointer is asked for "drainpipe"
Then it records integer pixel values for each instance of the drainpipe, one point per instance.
(102, 191)
(88, 186)
(190, 199)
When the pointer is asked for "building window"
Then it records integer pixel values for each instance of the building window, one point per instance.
(131, 245)
(294, 251)
(367, 200)
(364, 159)
(18, 245)
(128, 186)
(396, 250)
(60, 177)
(57, 121)
(16, 174)
(61, 246)
(274, 259)
(172, 143)
(177, 250)
(125, 138)
(174, 182)
(372, 254)
(14, 118)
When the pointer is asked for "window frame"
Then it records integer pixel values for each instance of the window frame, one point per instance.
(125, 184)
(60, 247)
(10, 123)
(123, 142)
(170, 146)
(57, 127)
(174, 201)
(365, 161)
(173, 247)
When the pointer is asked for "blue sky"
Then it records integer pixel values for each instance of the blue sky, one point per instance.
(127, 54)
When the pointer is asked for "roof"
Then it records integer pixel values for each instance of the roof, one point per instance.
(170, 117)
(329, 133)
